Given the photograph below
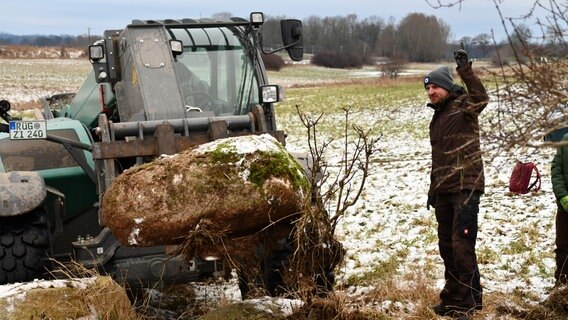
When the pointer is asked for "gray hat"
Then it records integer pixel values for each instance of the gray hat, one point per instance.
(442, 77)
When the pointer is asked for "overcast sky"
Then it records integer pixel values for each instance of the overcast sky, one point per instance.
(74, 17)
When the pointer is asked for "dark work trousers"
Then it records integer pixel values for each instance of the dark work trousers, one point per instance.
(456, 214)
(561, 245)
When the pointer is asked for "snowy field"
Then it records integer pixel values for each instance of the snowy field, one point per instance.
(25, 80)
(390, 224)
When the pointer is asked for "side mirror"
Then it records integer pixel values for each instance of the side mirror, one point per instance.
(292, 38)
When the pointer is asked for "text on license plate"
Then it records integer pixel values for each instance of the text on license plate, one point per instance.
(28, 130)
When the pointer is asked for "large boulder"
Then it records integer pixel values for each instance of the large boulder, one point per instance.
(239, 185)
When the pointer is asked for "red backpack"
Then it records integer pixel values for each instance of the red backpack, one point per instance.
(520, 178)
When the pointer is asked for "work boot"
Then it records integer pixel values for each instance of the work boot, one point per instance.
(460, 313)
(440, 309)
(443, 309)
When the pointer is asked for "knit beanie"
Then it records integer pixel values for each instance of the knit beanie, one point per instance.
(442, 77)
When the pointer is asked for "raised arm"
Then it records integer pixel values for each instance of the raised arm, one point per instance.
(477, 94)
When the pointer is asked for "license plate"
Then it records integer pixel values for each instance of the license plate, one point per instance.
(23, 130)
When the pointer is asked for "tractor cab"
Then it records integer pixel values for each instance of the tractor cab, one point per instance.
(172, 69)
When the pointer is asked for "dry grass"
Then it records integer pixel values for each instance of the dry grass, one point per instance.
(89, 295)
(555, 307)
(102, 298)
(337, 307)
(240, 311)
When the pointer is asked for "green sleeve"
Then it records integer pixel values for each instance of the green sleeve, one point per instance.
(557, 173)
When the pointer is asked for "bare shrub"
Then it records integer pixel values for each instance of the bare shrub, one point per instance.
(532, 90)
(337, 60)
(273, 62)
(500, 56)
(324, 59)
(317, 251)
(392, 68)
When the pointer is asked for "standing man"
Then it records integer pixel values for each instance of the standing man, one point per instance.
(456, 182)
(559, 175)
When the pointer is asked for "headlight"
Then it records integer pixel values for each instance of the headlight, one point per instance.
(96, 52)
(177, 47)
(256, 19)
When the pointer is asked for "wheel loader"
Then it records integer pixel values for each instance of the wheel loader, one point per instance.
(157, 87)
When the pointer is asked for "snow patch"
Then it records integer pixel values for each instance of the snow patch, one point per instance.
(269, 304)
(19, 289)
(132, 239)
(243, 145)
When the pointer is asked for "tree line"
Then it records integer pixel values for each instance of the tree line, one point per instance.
(67, 41)
(417, 37)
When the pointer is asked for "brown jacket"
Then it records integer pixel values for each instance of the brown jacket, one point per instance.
(454, 136)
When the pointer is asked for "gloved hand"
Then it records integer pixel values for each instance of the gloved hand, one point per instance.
(432, 202)
(564, 203)
(461, 57)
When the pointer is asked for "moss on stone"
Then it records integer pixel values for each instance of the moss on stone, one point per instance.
(225, 153)
(271, 164)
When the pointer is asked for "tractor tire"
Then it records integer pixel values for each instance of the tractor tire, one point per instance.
(23, 250)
